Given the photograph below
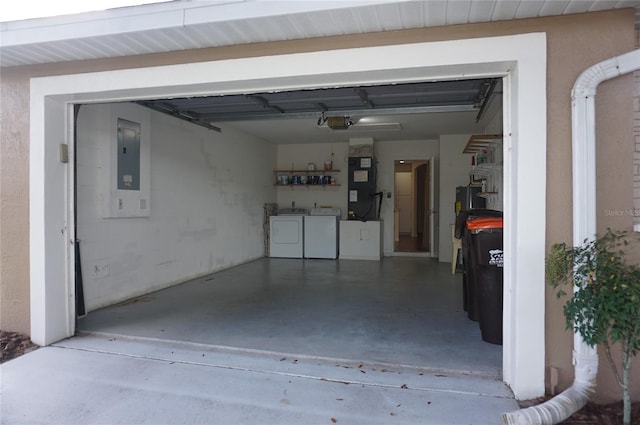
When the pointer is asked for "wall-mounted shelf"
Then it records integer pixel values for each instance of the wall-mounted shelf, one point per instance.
(485, 169)
(487, 166)
(307, 185)
(307, 174)
(481, 142)
(486, 194)
(321, 171)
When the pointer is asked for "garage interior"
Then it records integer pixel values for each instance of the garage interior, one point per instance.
(182, 257)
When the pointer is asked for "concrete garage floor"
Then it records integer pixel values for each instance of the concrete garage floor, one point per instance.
(275, 341)
(401, 311)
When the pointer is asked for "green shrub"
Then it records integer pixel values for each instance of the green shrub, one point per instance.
(605, 307)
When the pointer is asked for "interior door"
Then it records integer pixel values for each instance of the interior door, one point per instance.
(424, 205)
(404, 201)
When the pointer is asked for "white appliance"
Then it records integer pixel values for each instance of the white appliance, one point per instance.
(286, 239)
(321, 233)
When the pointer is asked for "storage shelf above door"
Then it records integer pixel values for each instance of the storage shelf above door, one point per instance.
(481, 142)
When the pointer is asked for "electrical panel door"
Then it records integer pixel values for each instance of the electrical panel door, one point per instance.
(128, 155)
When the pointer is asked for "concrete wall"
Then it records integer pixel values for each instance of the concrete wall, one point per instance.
(575, 42)
(206, 204)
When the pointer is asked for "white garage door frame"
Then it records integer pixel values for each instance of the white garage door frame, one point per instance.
(520, 59)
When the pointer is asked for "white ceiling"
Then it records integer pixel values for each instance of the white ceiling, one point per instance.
(179, 25)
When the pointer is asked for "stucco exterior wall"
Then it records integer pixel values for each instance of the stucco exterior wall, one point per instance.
(14, 205)
(614, 153)
(636, 139)
(574, 43)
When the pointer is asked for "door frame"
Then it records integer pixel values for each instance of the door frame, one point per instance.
(430, 161)
(519, 59)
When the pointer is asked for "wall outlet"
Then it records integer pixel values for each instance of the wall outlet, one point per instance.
(101, 270)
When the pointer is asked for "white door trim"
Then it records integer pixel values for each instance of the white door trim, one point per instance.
(521, 58)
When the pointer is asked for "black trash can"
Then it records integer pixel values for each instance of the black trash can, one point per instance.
(487, 264)
(469, 301)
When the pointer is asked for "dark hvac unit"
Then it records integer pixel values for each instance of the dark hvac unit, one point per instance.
(363, 199)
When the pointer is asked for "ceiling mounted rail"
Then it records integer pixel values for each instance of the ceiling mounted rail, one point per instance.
(357, 102)
(185, 115)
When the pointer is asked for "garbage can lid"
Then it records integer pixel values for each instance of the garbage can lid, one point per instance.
(464, 215)
(485, 223)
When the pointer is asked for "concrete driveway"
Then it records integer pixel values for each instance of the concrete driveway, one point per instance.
(107, 379)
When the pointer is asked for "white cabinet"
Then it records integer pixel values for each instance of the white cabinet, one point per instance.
(360, 240)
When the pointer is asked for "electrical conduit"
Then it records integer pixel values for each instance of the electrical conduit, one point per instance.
(585, 358)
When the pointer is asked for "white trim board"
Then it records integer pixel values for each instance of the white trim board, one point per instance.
(520, 59)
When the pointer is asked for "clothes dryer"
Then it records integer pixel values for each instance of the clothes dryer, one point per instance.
(321, 228)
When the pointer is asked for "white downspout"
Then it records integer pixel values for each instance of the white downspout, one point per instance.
(585, 359)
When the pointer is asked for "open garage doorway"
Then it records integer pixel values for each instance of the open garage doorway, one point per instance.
(48, 178)
(158, 202)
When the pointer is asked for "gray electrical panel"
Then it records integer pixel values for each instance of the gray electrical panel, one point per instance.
(128, 155)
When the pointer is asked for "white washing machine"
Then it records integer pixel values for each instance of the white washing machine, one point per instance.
(321, 233)
(286, 238)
